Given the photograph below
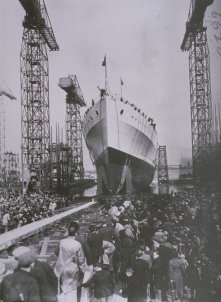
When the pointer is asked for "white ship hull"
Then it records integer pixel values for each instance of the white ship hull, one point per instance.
(122, 144)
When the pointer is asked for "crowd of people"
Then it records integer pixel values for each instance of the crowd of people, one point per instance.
(17, 210)
(180, 235)
(154, 247)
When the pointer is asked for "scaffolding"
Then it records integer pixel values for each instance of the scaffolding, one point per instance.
(61, 159)
(74, 101)
(11, 171)
(163, 176)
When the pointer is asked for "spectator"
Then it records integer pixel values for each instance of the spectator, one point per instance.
(108, 235)
(70, 265)
(193, 278)
(5, 221)
(102, 283)
(47, 280)
(138, 282)
(20, 285)
(95, 243)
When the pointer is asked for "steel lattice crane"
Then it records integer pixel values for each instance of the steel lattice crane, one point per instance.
(37, 34)
(74, 101)
(195, 41)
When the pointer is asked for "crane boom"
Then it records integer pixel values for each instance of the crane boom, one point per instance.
(195, 21)
(32, 8)
(37, 17)
(9, 95)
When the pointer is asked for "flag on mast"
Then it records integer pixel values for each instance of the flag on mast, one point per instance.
(121, 84)
(104, 61)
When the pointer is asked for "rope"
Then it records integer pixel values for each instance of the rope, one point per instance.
(123, 178)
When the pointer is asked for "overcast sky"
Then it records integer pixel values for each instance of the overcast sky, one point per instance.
(141, 39)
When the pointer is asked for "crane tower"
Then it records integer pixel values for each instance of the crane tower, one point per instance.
(74, 101)
(195, 41)
(35, 124)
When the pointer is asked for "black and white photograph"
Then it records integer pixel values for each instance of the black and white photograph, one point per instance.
(110, 150)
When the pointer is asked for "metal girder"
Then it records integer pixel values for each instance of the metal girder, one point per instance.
(194, 24)
(200, 97)
(74, 139)
(37, 18)
(34, 101)
(60, 166)
(162, 165)
(11, 169)
(195, 40)
(73, 124)
(71, 86)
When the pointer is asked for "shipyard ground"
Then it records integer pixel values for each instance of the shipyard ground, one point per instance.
(46, 234)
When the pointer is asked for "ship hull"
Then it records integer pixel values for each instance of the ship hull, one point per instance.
(122, 146)
(118, 173)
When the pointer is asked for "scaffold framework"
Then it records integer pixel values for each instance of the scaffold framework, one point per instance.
(60, 166)
(11, 170)
(163, 175)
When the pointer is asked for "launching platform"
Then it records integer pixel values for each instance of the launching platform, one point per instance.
(12, 237)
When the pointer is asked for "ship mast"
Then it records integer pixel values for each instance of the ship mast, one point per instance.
(104, 63)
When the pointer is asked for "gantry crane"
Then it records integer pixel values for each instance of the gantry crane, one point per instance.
(195, 41)
(74, 101)
(35, 122)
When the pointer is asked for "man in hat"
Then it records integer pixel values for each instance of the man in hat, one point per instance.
(177, 267)
(70, 265)
(138, 282)
(103, 284)
(20, 285)
(47, 280)
(95, 243)
(109, 241)
(166, 254)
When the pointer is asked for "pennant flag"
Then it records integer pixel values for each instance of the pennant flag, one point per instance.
(104, 61)
(121, 82)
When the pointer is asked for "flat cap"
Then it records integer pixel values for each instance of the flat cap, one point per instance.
(24, 255)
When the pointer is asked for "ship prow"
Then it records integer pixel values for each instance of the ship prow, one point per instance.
(122, 142)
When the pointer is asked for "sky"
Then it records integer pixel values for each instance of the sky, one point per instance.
(141, 40)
